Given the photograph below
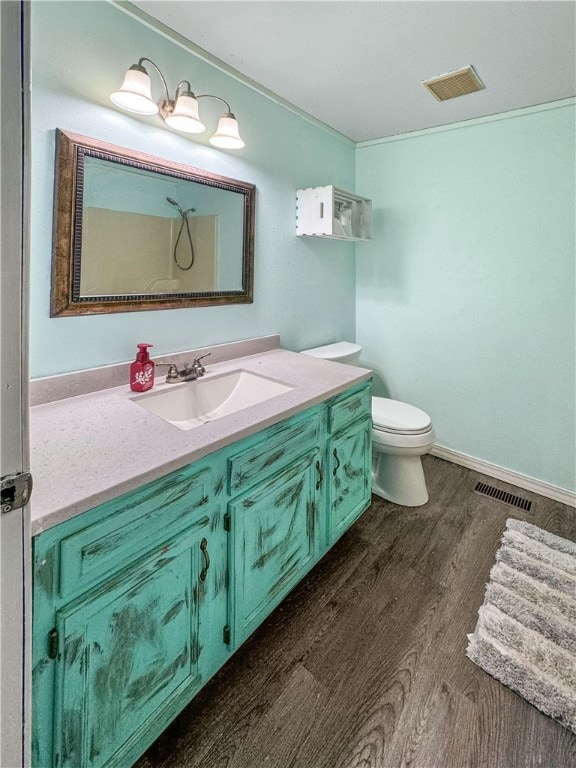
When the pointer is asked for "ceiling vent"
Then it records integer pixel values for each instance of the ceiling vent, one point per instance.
(453, 84)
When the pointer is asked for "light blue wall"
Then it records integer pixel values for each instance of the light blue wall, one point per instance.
(303, 288)
(465, 298)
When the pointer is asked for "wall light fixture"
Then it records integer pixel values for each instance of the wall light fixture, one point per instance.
(181, 112)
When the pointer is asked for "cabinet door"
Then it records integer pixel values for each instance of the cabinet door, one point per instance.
(274, 541)
(349, 466)
(126, 650)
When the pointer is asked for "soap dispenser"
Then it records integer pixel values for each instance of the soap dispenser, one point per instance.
(142, 370)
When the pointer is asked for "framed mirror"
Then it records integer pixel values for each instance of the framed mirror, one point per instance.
(134, 232)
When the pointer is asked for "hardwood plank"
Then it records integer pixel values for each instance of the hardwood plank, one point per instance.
(370, 670)
(433, 738)
(272, 739)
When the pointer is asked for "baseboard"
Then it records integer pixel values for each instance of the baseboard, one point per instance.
(563, 495)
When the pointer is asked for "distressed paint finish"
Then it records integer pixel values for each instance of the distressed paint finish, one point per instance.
(350, 408)
(275, 541)
(90, 554)
(177, 508)
(349, 477)
(349, 468)
(125, 652)
(274, 450)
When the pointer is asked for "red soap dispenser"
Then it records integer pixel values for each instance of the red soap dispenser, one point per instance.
(142, 370)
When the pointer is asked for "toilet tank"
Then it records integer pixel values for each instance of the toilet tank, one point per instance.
(340, 352)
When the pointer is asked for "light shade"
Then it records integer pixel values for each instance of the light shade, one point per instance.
(134, 94)
(184, 117)
(227, 135)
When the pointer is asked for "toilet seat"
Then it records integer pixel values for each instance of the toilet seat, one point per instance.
(399, 418)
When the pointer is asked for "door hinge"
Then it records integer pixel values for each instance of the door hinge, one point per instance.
(53, 643)
(227, 522)
(15, 491)
(226, 636)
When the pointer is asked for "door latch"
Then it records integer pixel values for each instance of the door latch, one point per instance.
(15, 491)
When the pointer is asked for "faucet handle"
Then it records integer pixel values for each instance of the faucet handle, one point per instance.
(172, 374)
(198, 365)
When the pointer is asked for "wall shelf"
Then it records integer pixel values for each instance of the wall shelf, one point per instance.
(331, 212)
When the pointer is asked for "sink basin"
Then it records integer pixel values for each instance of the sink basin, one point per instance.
(193, 403)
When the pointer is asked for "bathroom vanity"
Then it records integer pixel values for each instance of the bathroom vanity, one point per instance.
(140, 598)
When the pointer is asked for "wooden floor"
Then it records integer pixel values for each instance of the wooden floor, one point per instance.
(364, 666)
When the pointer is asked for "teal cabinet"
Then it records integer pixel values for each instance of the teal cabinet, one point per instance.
(126, 650)
(273, 516)
(349, 461)
(349, 477)
(138, 602)
(130, 606)
(275, 541)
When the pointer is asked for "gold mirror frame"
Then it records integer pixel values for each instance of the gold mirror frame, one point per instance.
(66, 298)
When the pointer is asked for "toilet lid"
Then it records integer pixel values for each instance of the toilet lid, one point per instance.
(394, 416)
(340, 351)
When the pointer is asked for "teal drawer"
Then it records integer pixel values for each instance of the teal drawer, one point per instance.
(132, 526)
(351, 407)
(277, 447)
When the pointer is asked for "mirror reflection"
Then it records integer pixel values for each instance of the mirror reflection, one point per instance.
(145, 233)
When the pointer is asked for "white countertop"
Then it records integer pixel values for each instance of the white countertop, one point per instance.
(91, 448)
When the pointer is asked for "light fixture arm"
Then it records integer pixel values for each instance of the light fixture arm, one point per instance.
(164, 83)
(183, 85)
(211, 96)
(167, 106)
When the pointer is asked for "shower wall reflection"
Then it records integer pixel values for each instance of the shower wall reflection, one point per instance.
(132, 241)
(133, 253)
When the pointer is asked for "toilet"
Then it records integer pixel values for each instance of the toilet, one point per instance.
(401, 435)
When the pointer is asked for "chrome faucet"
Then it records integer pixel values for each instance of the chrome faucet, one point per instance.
(188, 372)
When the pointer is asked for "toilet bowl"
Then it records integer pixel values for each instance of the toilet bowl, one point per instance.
(401, 435)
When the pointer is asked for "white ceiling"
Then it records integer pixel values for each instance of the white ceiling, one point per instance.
(357, 65)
